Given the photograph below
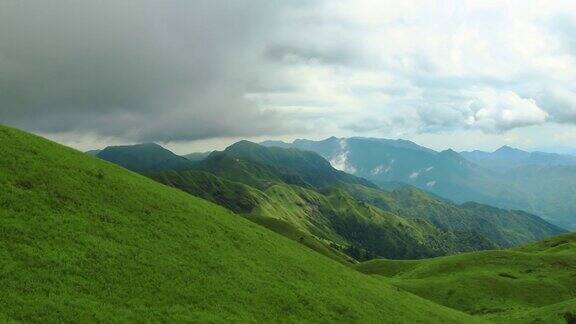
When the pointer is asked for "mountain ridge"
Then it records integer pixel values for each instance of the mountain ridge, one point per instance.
(144, 157)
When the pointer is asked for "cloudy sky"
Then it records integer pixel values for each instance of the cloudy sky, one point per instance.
(201, 74)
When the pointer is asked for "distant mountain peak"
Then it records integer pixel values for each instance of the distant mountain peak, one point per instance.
(144, 157)
(506, 148)
(452, 155)
(245, 142)
(511, 152)
(242, 144)
(450, 152)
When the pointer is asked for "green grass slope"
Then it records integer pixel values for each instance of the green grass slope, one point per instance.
(533, 282)
(560, 313)
(85, 240)
(290, 231)
(235, 196)
(250, 203)
(331, 215)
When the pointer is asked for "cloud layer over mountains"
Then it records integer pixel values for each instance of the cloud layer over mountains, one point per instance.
(147, 70)
(186, 70)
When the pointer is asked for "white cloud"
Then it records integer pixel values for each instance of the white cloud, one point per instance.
(410, 67)
(500, 111)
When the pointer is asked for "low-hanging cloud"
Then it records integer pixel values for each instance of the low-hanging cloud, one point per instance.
(140, 70)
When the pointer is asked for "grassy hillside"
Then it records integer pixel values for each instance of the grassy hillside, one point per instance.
(533, 282)
(235, 196)
(245, 200)
(85, 240)
(560, 313)
(330, 215)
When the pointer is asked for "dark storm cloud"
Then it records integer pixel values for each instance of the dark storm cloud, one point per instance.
(142, 70)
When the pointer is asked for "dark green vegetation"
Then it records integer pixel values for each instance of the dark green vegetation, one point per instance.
(535, 283)
(144, 157)
(540, 183)
(84, 240)
(345, 213)
(503, 227)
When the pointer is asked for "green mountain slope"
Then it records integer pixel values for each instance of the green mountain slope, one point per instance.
(531, 282)
(504, 227)
(559, 313)
(332, 219)
(331, 214)
(84, 240)
(245, 200)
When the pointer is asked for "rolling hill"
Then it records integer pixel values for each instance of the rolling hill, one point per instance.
(534, 283)
(84, 240)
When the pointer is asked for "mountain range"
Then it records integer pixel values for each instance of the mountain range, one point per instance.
(299, 191)
(507, 158)
(539, 183)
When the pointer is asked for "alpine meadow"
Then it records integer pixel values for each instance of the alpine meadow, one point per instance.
(251, 161)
